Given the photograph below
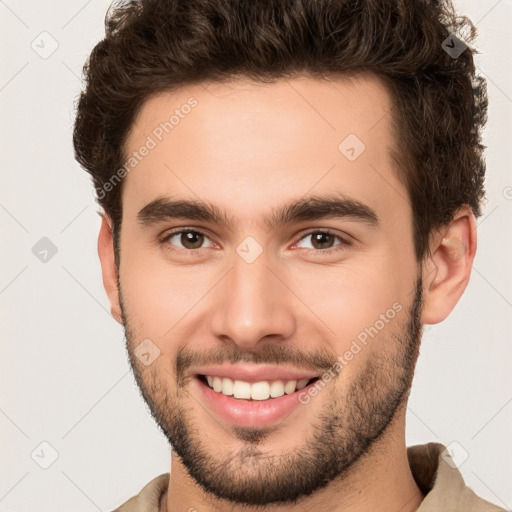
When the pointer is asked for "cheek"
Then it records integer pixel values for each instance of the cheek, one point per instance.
(157, 295)
(362, 305)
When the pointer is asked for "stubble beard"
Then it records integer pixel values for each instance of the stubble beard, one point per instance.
(346, 430)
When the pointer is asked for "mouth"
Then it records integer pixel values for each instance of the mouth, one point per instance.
(260, 391)
(250, 400)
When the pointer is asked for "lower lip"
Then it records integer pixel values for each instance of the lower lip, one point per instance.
(251, 413)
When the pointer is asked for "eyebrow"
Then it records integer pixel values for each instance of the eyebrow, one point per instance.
(310, 208)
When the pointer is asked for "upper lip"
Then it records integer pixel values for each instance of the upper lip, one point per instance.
(255, 372)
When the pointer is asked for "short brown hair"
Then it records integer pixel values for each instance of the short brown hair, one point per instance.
(439, 105)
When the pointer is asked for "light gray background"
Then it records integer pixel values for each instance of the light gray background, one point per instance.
(65, 378)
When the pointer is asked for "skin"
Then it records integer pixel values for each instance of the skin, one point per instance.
(248, 148)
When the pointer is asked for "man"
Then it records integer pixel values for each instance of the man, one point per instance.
(289, 193)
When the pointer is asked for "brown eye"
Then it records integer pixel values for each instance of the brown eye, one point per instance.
(323, 241)
(191, 239)
(186, 239)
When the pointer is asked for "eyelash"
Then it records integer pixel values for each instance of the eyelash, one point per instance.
(341, 246)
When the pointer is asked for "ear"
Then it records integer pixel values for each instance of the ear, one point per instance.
(108, 266)
(447, 270)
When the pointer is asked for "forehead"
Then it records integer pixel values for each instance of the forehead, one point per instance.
(244, 144)
(354, 104)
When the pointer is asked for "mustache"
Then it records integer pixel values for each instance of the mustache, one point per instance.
(318, 361)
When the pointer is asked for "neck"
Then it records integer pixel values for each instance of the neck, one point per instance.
(381, 480)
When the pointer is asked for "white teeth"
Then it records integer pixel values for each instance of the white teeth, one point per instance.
(262, 390)
(302, 383)
(217, 384)
(277, 389)
(290, 386)
(241, 389)
(227, 386)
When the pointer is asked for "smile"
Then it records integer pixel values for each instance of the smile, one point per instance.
(252, 395)
(262, 390)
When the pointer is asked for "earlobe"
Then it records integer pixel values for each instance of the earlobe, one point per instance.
(447, 270)
(108, 266)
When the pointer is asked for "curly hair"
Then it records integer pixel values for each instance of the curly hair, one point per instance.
(439, 103)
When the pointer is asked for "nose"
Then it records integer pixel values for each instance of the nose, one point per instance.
(253, 305)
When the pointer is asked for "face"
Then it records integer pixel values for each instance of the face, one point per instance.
(268, 283)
